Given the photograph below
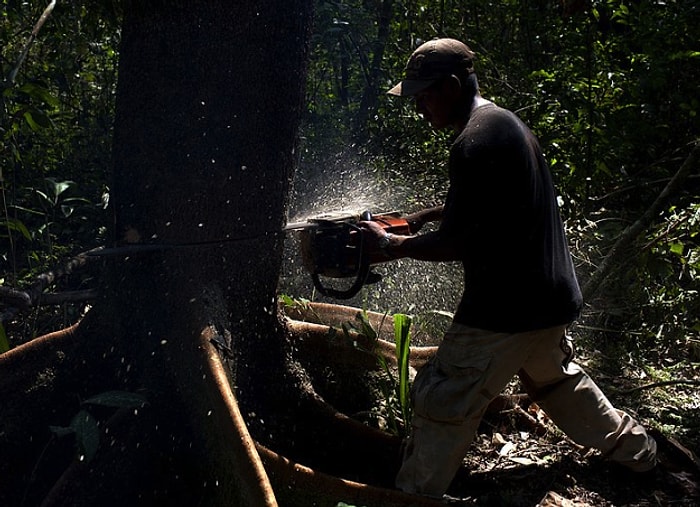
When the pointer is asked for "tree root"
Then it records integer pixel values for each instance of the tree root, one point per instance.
(313, 322)
(296, 484)
(252, 484)
(22, 365)
(357, 467)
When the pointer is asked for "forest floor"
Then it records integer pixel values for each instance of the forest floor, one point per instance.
(520, 458)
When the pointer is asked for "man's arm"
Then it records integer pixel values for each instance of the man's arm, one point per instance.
(432, 246)
(417, 220)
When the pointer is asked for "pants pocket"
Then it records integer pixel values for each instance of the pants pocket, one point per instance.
(448, 388)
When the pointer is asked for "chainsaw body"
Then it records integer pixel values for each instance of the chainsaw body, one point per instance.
(334, 247)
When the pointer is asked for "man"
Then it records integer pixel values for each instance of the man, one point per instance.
(500, 219)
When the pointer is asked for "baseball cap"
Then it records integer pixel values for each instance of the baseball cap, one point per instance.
(432, 61)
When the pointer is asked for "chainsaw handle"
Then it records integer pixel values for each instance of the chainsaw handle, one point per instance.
(347, 293)
(360, 277)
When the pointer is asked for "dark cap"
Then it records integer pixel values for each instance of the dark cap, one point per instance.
(432, 61)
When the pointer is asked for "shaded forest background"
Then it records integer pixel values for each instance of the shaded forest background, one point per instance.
(610, 88)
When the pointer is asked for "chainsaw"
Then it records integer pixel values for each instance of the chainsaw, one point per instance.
(333, 246)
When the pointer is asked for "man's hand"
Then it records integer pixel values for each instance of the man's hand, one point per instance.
(374, 234)
(431, 246)
(417, 220)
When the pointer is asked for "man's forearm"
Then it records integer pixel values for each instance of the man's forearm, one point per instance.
(431, 246)
(417, 220)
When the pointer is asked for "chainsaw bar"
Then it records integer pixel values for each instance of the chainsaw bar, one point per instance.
(333, 216)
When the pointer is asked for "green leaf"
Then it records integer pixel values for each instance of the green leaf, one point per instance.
(682, 55)
(117, 399)
(366, 328)
(16, 225)
(39, 93)
(61, 431)
(37, 119)
(33, 124)
(87, 434)
(58, 187)
(677, 248)
(4, 342)
(402, 336)
(286, 300)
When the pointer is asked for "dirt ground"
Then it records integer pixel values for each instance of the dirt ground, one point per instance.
(520, 459)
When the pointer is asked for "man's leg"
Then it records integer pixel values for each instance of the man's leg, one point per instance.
(450, 395)
(433, 454)
(580, 409)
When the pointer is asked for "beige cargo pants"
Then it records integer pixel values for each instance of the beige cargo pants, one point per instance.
(472, 366)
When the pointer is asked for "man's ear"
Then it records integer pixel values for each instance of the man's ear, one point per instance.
(454, 86)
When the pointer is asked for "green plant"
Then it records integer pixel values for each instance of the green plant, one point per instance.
(402, 337)
(396, 409)
(4, 342)
(84, 426)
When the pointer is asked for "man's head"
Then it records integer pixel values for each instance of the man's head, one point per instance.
(440, 76)
(432, 62)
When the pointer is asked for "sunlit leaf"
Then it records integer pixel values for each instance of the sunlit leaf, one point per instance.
(677, 248)
(402, 336)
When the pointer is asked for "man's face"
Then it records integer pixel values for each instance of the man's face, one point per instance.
(437, 103)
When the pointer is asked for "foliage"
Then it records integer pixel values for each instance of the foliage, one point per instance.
(85, 427)
(56, 110)
(55, 131)
(607, 85)
(402, 339)
(396, 410)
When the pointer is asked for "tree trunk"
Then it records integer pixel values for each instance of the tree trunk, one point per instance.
(208, 105)
(368, 103)
(209, 102)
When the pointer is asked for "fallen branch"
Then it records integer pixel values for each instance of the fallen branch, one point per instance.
(19, 300)
(633, 231)
(661, 383)
(25, 51)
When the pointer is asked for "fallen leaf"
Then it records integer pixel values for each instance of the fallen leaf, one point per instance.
(507, 449)
(552, 499)
(497, 438)
(522, 461)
